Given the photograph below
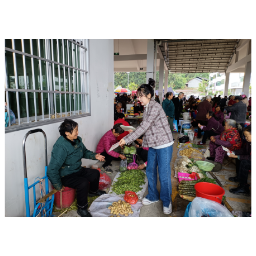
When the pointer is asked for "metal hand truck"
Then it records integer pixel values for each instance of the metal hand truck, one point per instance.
(44, 206)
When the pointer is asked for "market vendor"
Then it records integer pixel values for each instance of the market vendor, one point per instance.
(137, 109)
(142, 152)
(65, 166)
(218, 115)
(229, 138)
(212, 128)
(243, 164)
(158, 137)
(169, 108)
(105, 143)
(121, 120)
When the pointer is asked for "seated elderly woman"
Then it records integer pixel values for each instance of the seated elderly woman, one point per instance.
(212, 128)
(229, 138)
(243, 164)
(65, 166)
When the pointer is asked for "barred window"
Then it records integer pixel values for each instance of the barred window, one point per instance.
(47, 80)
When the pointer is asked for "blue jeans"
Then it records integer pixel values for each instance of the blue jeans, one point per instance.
(161, 158)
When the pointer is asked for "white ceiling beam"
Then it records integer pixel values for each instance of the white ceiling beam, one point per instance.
(132, 57)
(134, 52)
(240, 63)
(244, 43)
(161, 57)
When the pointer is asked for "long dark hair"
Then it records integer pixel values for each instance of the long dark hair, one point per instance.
(146, 89)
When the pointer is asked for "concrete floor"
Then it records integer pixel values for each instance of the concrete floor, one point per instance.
(237, 203)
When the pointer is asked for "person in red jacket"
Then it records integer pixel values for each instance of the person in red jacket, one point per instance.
(232, 101)
(105, 143)
(121, 120)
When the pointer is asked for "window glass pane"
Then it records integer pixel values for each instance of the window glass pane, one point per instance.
(78, 57)
(13, 103)
(35, 47)
(44, 75)
(54, 42)
(31, 104)
(70, 53)
(66, 51)
(42, 47)
(46, 104)
(75, 57)
(79, 81)
(8, 43)
(27, 45)
(61, 79)
(18, 44)
(37, 74)
(63, 103)
(49, 53)
(56, 78)
(60, 51)
(20, 72)
(29, 73)
(9, 70)
(23, 110)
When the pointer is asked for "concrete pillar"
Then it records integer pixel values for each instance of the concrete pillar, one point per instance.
(166, 81)
(247, 78)
(226, 84)
(161, 80)
(150, 59)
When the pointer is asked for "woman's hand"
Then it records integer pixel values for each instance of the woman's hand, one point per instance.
(62, 189)
(130, 131)
(122, 156)
(212, 139)
(199, 125)
(232, 156)
(100, 157)
(122, 142)
(139, 141)
(141, 167)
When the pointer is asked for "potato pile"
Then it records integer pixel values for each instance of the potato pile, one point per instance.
(188, 151)
(120, 207)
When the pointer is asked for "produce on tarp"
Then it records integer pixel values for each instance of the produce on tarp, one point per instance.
(120, 207)
(131, 197)
(129, 181)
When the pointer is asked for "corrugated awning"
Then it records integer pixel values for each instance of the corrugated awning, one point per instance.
(198, 55)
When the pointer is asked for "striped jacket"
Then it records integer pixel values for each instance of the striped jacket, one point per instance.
(154, 126)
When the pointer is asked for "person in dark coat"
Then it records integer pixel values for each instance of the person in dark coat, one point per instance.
(243, 164)
(203, 108)
(169, 108)
(218, 115)
(238, 111)
(178, 103)
(65, 166)
(212, 128)
(223, 103)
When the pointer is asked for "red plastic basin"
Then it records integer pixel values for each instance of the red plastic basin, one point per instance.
(209, 191)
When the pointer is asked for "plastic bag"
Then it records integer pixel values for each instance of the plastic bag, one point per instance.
(205, 166)
(175, 125)
(201, 207)
(197, 156)
(105, 180)
(123, 165)
(131, 197)
(133, 165)
(6, 119)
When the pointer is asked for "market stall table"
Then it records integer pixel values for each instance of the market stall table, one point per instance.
(137, 118)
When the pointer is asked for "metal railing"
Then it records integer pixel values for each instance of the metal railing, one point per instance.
(60, 58)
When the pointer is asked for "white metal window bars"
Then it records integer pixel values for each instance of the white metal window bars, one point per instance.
(76, 65)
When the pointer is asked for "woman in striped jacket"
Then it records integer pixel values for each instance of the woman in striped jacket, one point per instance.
(158, 138)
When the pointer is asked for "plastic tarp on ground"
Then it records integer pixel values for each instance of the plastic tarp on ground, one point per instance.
(99, 207)
(140, 194)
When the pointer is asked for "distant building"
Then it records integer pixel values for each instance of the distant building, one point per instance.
(194, 83)
(217, 83)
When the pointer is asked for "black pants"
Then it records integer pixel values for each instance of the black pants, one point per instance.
(80, 181)
(204, 123)
(208, 134)
(242, 170)
(143, 154)
(108, 159)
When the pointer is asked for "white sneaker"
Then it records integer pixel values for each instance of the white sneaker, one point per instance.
(145, 201)
(168, 210)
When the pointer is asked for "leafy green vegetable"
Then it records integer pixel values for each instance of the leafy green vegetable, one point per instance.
(132, 150)
(126, 150)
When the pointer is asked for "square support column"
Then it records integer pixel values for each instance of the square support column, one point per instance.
(247, 78)
(226, 84)
(166, 81)
(161, 80)
(150, 59)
